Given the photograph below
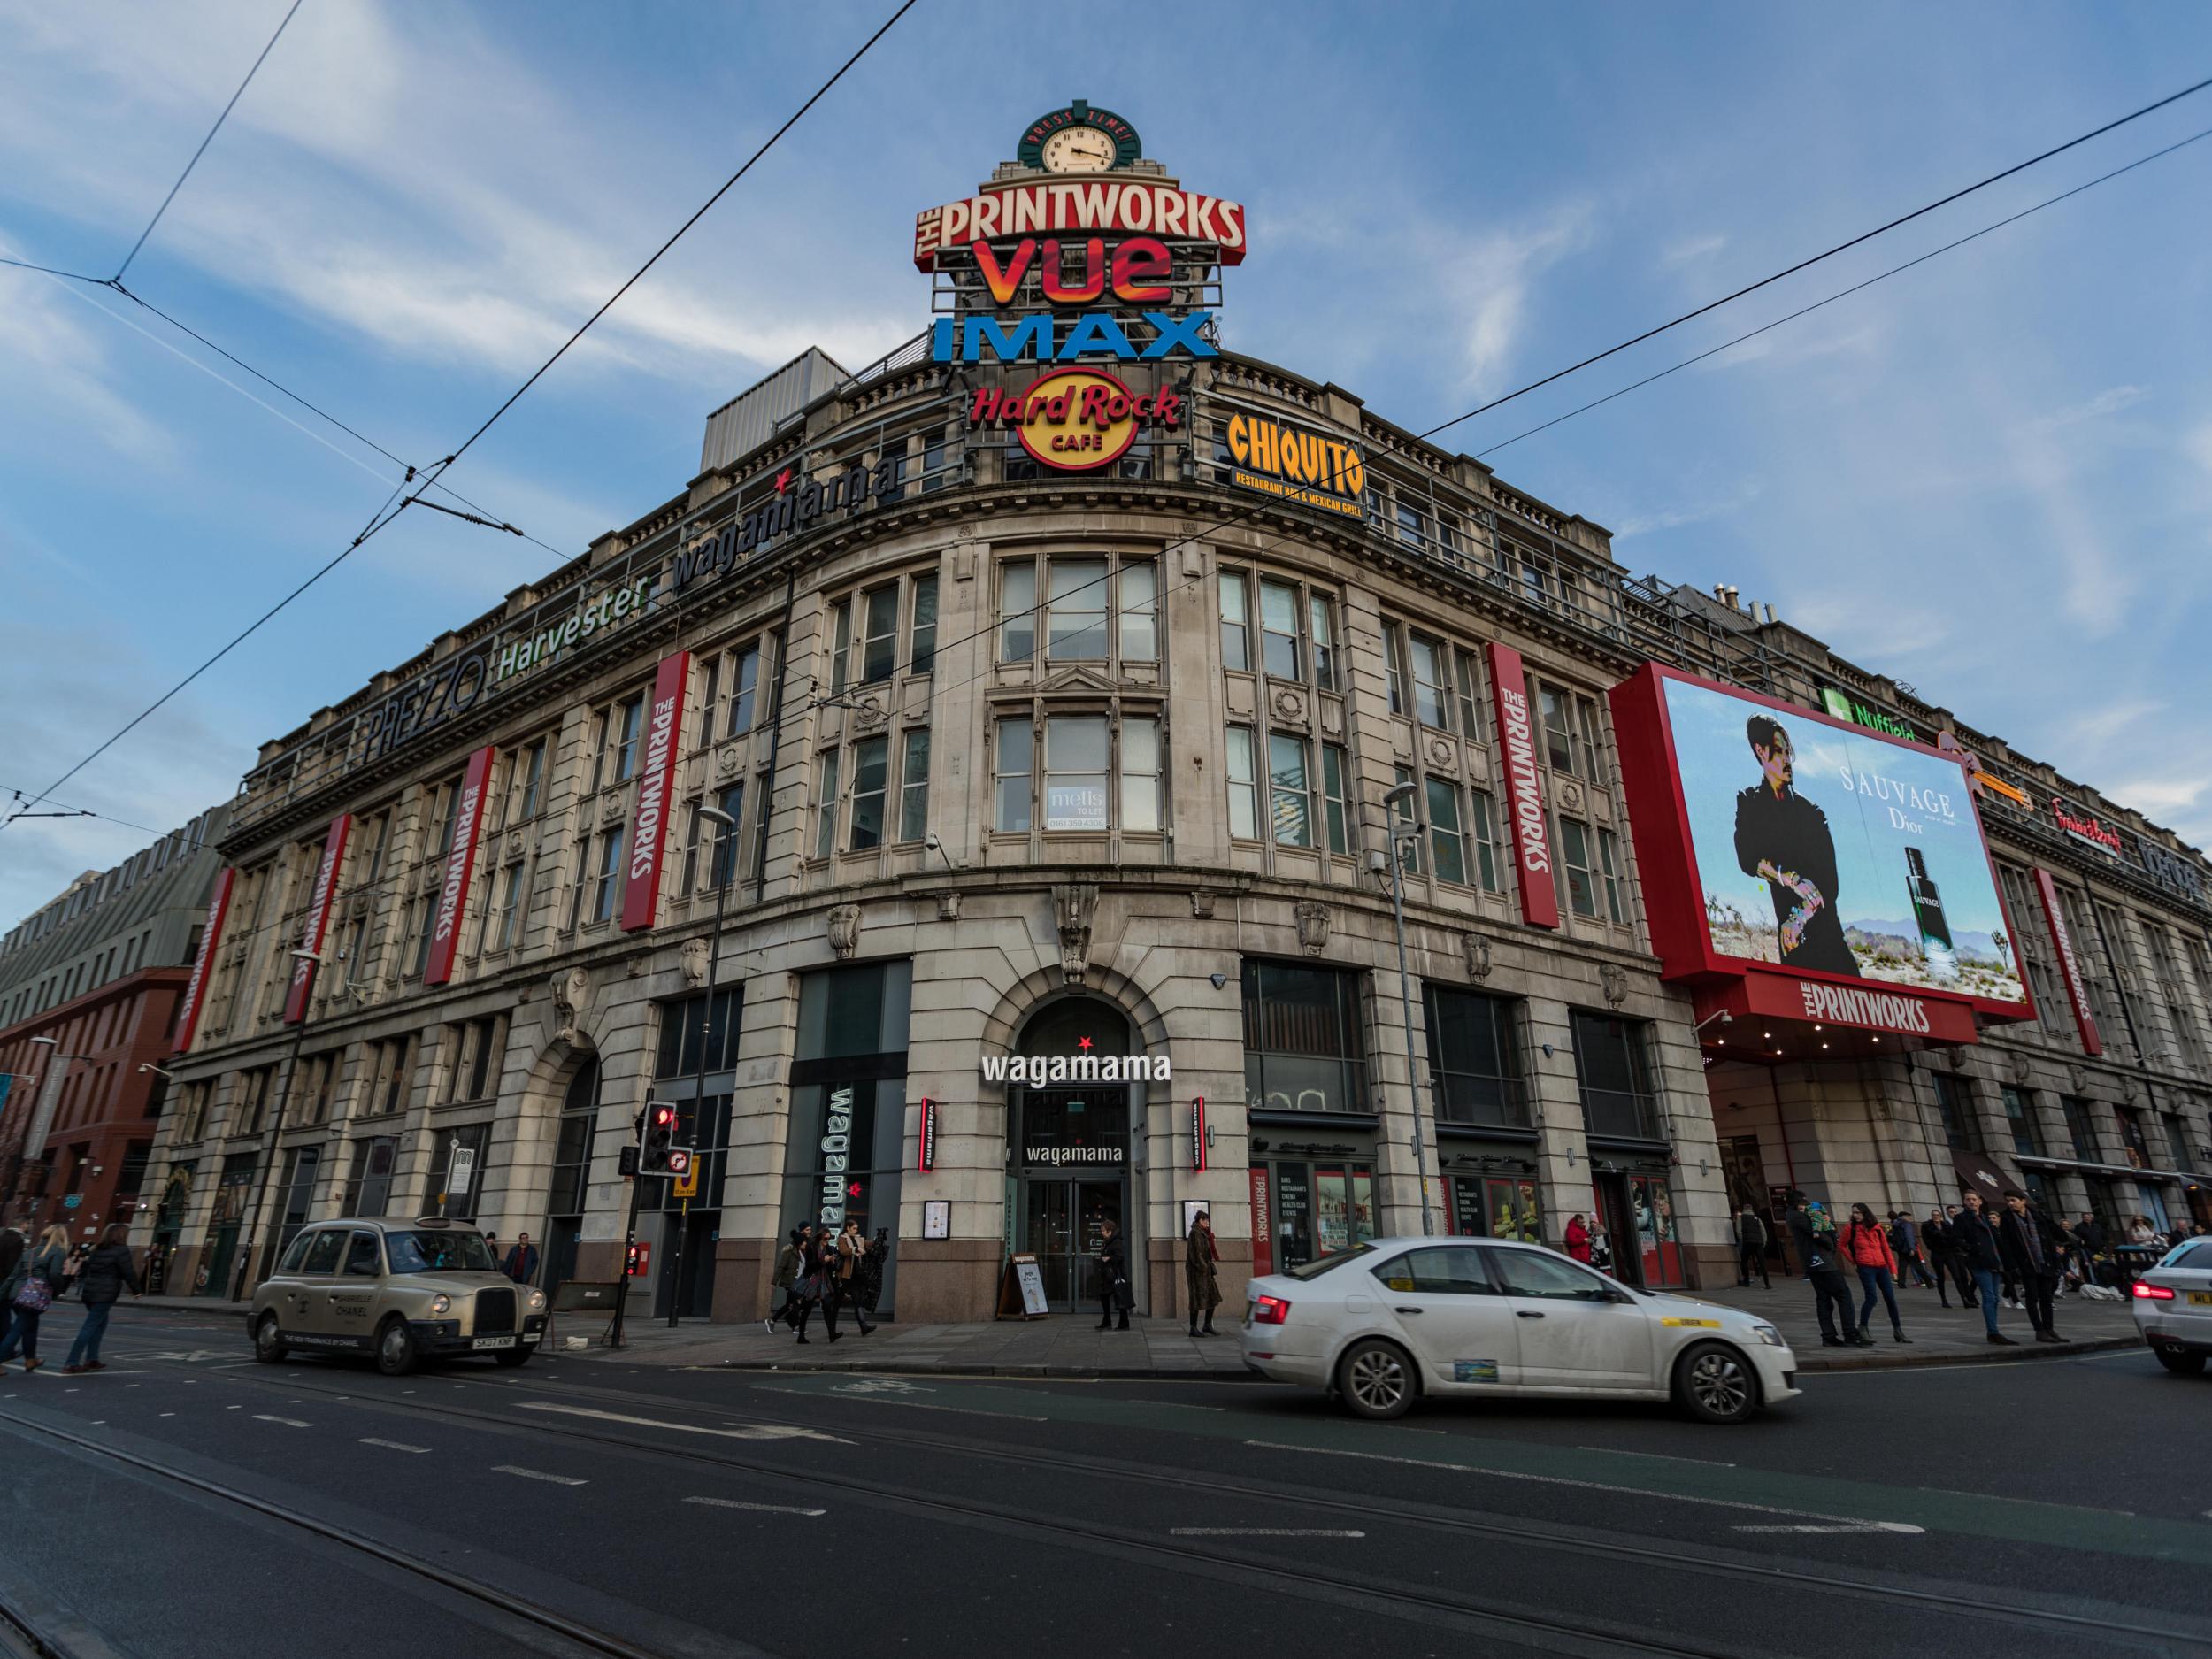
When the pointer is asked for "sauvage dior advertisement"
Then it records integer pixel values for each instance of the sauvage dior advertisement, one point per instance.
(1825, 850)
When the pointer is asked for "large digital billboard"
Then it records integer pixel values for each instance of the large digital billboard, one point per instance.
(1813, 847)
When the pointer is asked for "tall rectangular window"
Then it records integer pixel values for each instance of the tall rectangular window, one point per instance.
(1139, 774)
(421, 959)
(1475, 1060)
(722, 867)
(1016, 741)
(1335, 763)
(1557, 713)
(1290, 805)
(1575, 862)
(1609, 866)
(1429, 691)
(1139, 612)
(921, 644)
(1321, 633)
(1619, 1101)
(1279, 629)
(1482, 823)
(607, 875)
(1593, 736)
(880, 641)
(510, 908)
(583, 881)
(1393, 670)
(372, 861)
(744, 679)
(530, 770)
(1468, 681)
(628, 717)
(1075, 618)
(449, 800)
(871, 782)
(1018, 611)
(1409, 847)
(840, 646)
(1236, 633)
(1305, 1048)
(826, 789)
(1075, 771)
(1446, 842)
(1244, 812)
(2020, 1118)
(1956, 1107)
(914, 787)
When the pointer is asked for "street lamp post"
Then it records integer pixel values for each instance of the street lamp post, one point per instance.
(725, 827)
(1410, 831)
(269, 1149)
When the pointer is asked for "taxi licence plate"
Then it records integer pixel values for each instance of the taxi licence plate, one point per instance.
(493, 1341)
(2201, 1298)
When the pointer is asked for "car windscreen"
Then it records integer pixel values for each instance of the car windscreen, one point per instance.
(438, 1253)
(1322, 1264)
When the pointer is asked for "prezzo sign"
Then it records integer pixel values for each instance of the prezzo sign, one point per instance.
(1524, 789)
(1077, 418)
(837, 1139)
(657, 781)
(210, 937)
(460, 866)
(1134, 207)
(2170, 871)
(2068, 961)
(1297, 465)
(318, 919)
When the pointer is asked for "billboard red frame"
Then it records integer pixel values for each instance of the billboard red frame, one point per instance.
(203, 963)
(1674, 893)
(460, 866)
(320, 902)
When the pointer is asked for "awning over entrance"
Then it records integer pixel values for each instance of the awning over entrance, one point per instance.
(1776, 1019)
(1977, 1174)
(2121, 1171)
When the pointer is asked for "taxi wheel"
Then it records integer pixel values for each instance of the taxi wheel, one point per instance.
(268, 1341)
(1716, 1384)
(1375, 1379)
(511, 1357)
(394, 1347)
(2180, 1364)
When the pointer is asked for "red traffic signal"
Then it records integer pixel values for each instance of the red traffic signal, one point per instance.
(658, 1155)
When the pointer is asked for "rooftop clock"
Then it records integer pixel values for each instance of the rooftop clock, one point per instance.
(1078, 139)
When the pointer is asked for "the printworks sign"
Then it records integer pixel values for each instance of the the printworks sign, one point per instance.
(1294, 465)
(1075, 419)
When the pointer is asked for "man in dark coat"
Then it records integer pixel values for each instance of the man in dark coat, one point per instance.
(1815, 1238)
(1784, 839)
(522, 1260)
(1935, 1243)
(1974, 1247)
(108, 1273)
(1751, 1248)
(2025, 1243)
(1113, 1278)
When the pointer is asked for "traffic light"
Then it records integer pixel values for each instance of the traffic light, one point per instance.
(660, 1142)
(628, 1162)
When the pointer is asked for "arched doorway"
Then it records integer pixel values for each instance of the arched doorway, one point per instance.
(571, 1180)
(1069, 1145)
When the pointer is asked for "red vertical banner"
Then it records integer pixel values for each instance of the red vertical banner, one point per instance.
(1523, 788)
(1262, 1225)
(926, 1142)
(318, 904)
(460, 866)
(203, 964)
(2068, 962)
(656, 780)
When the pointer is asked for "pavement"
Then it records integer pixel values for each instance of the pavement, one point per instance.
(1072, 1346)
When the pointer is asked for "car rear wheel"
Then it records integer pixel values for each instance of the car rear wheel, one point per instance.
(2181, 1364)
(268, 1341)
(1375, 1380)
(511, 1357)
(1716, 1384)
(395, 1348)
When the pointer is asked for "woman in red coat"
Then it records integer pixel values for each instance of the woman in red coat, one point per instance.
(1578, 1240)
(1865, 1244)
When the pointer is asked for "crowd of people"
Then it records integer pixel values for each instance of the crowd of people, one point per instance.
(2013, 1255)
(830, 1269)
(35, 1276)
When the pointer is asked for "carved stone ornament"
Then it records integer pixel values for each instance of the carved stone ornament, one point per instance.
(1313, 926)
(1477, 953)
(1957, 1059)
(1202, 904)
(1570, 795)
(514, 847)
(728, 761)
(2020, 1067)
(844, 930)
(948, 907)
(693, 960)
(1074, 908)
(1290, 705)
(571, 988)
(2077, 1079)
(1439, 751)
(1614, 979)
(611, 807)
(869, 714)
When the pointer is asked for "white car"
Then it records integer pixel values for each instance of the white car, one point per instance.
(1387, 1321)
(2173, 1306)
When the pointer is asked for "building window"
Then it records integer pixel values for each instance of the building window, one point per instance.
(505, 919)
(528, 793)
(427, 907)
(355, 951)
(1403, 814)
(722, 868)
(1393, 666)
(840, 645)
(253, 1100)
(1609, 866)
(1279, 629)
(1577, 880)
(2020, 1118)
(1556, 711)
(872, 783)
(457, 1158)
(1482, 825)
(1075, 771)
(473, 1051)
(373, 846)
(1244, 813)
(1139, 769)
(1075, 613)
(449, 802)
(1475, 1060)
(1335, 763)
(921, 637)
(880, 637)
(1612, 1061)
(606, 875)
(614, 742)
(1430, 692)
(1139, 610)
(1236, 632)
(1321, 633)
(825, 791)
(192, 1120)
(295, 1199)
(2133, 1147)
(369, 1183)
(2081, 1128)
(390, 1067)
(690, 1041)
(1468, 681)
(1016, 742)
(1446, 842)
(1018, 611)
(914, 787)
(1304, 1039)
(1289, 790)
(1954, 1108)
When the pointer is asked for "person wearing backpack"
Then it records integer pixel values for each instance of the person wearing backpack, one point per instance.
(107, 1272)
(28, 1292)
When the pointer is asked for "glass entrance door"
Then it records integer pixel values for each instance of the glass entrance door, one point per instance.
(1062, 1226)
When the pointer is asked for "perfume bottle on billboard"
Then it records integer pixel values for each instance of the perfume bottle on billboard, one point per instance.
(1927, 910)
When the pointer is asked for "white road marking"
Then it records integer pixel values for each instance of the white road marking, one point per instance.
(394, 1446)
(1866, 1526)
(766, 1508)
(1664, 1458)
(1263, 1531)
(912, 1405)
(289, 1423)
(165, 1414)
(1563, 1481)
(882, 1386)
(754, 1432)
(535, 1474)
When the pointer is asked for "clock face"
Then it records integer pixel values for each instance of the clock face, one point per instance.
(1077, 150)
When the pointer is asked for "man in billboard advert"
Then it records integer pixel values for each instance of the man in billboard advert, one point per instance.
(1783, 837)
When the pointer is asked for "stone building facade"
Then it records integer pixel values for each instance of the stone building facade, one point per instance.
(1032, 768)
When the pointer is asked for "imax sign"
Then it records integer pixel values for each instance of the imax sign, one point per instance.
(1045, 338)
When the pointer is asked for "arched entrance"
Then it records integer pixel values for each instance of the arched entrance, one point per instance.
(1069, 1146)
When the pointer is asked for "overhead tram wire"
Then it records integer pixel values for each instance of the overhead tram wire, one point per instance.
(66, 811)
(388, 513)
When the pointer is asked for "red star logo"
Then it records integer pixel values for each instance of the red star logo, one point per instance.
(1085, 1045)
(853, 1190)
(783, 480)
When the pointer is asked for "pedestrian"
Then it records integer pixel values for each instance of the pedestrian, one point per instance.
(814, 1280)
(1974, 1243)
(1751, 1248)
(108, 1271)
(30, 1291)
(2140, 1231)
(844, 1264)
(875, 1256)
(1815, 1237)
(522, 1260)
(790, 1261)
(1110, 1277)
(491, 1248)
(1579, 1239)
(74, 1266)
(1904, 1242)
(2025, 1240)
(1202, 1272)
(1866, 1246)
(1935, 1239)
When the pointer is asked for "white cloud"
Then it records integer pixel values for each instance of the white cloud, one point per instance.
(2111, 401)
(1489, 282)
(1691, 248)
(1693, 513)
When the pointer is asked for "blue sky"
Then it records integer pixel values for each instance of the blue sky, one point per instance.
(1991, 476)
